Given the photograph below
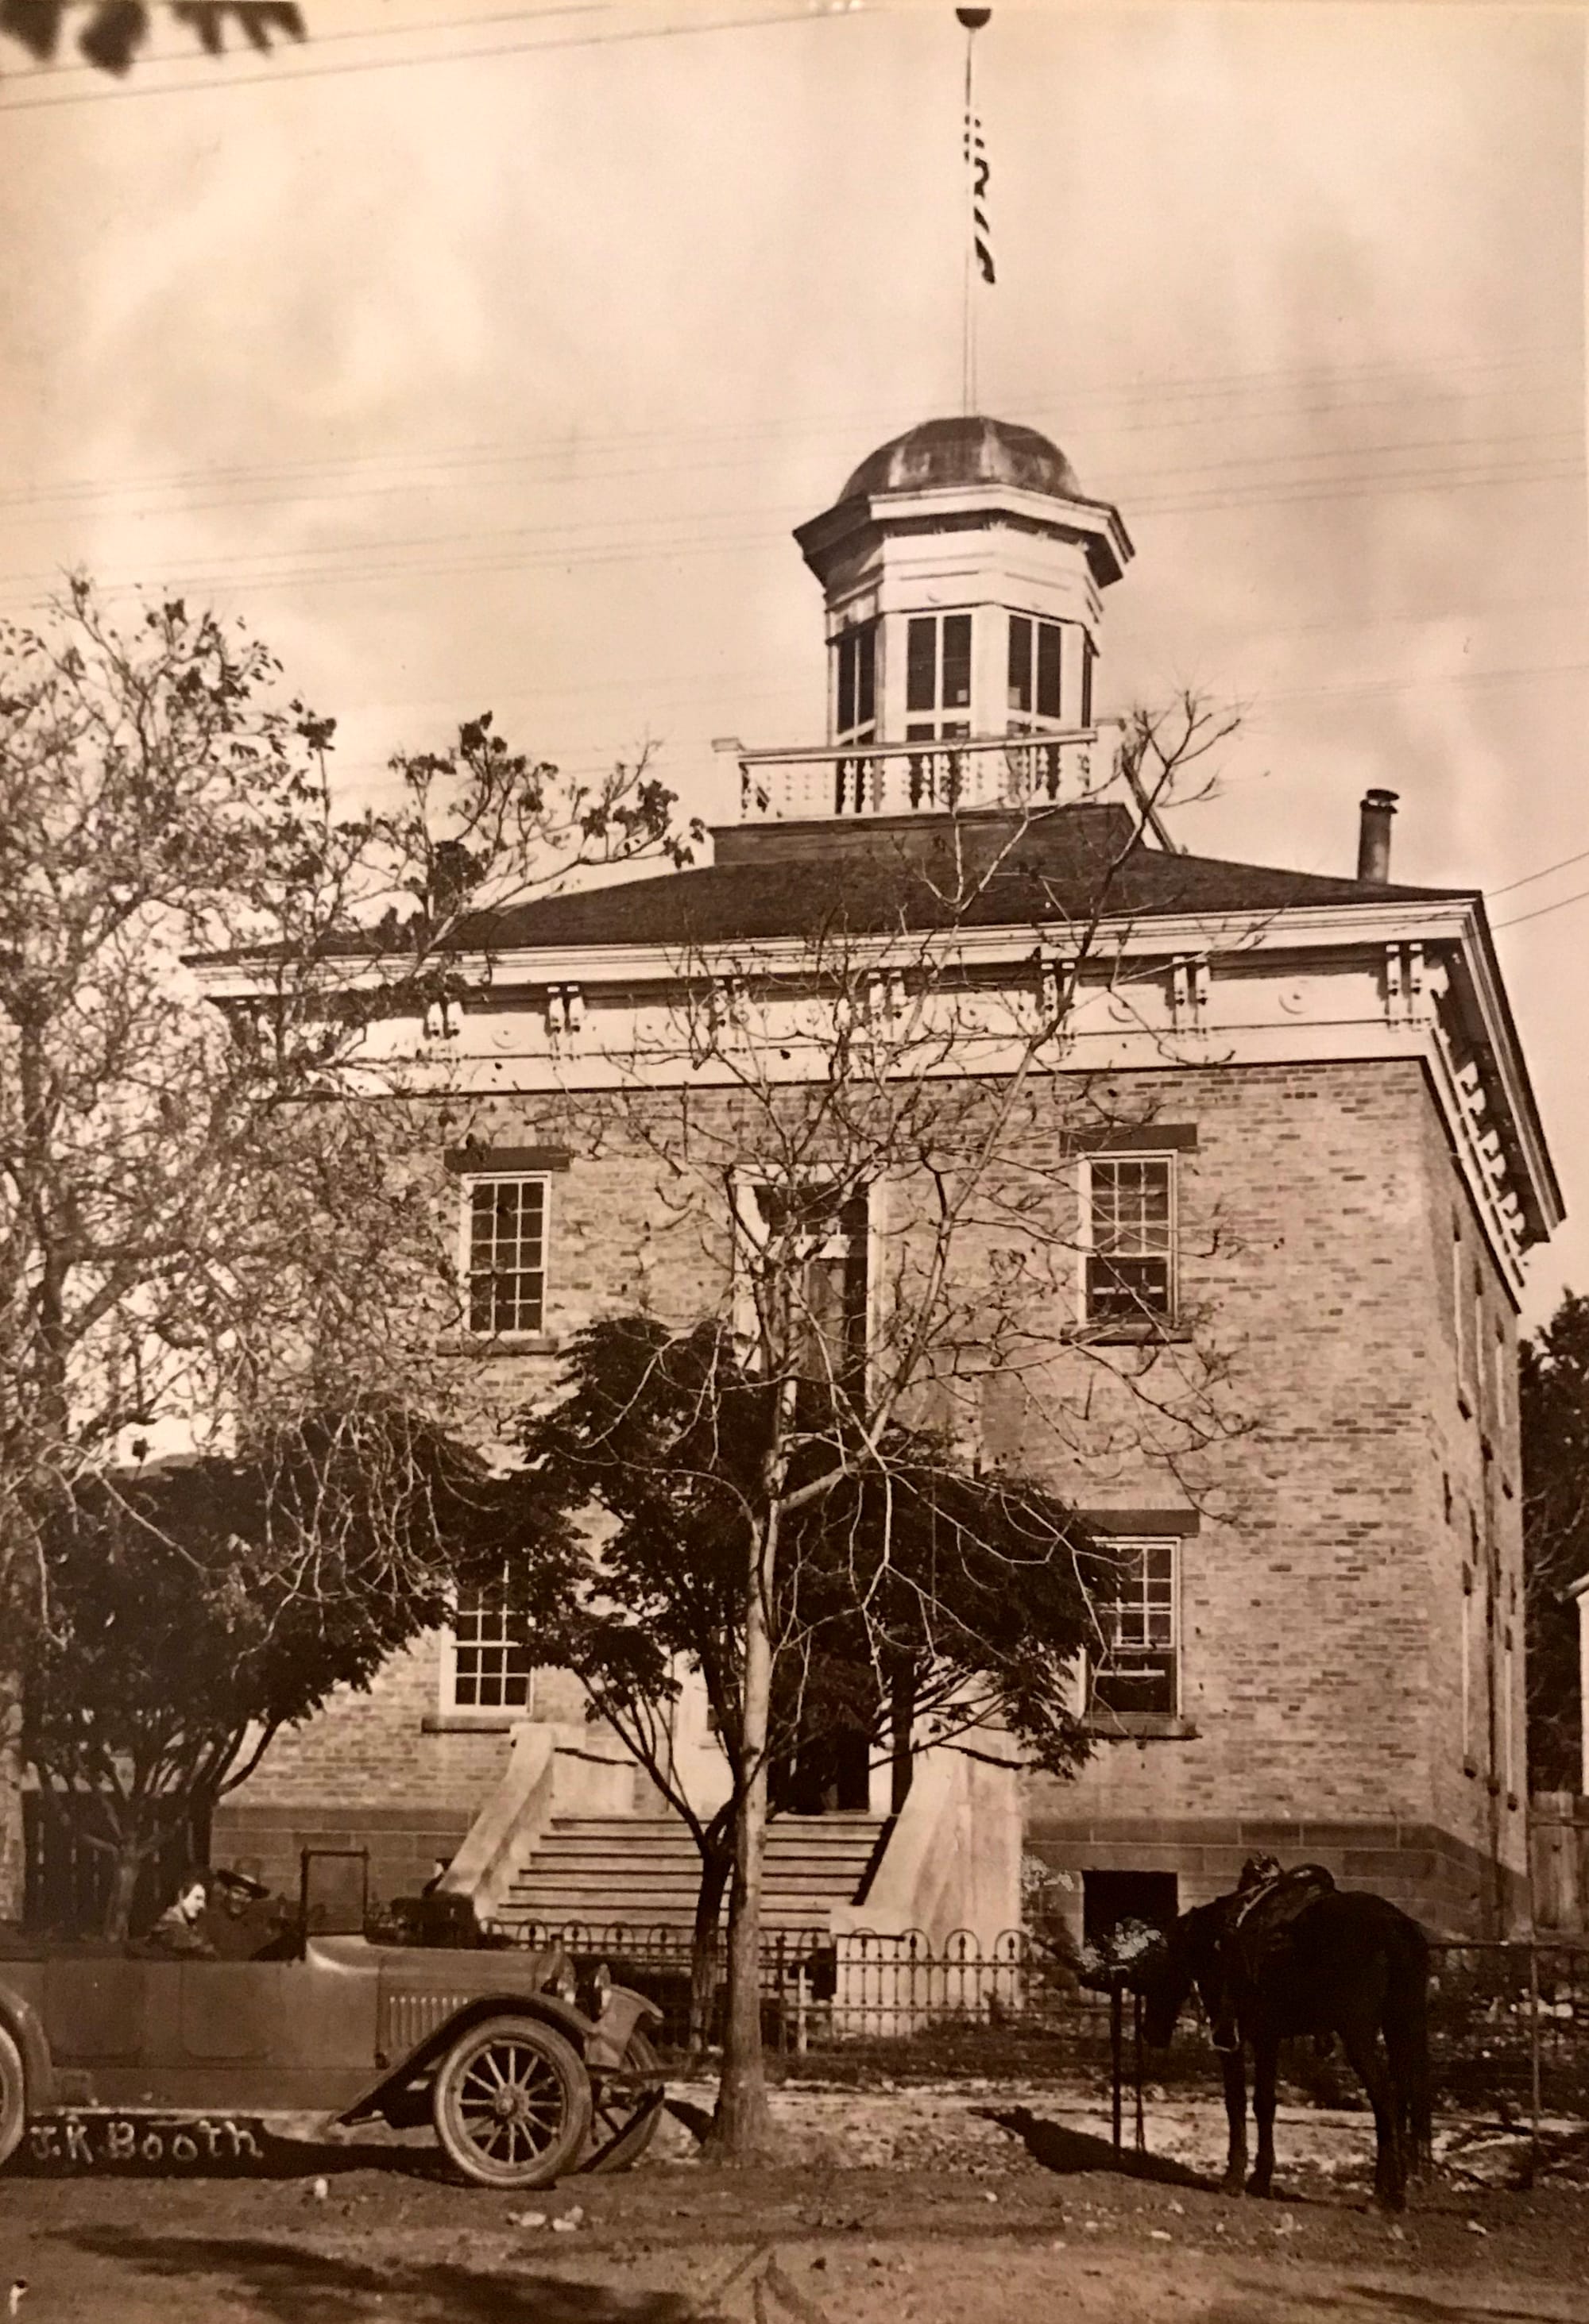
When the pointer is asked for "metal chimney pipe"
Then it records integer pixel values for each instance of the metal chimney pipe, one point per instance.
(1373, 837)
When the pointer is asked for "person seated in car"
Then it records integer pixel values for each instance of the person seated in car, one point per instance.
(248, 1916)
(180, 1928)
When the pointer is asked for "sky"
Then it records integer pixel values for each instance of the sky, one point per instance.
(484, 357)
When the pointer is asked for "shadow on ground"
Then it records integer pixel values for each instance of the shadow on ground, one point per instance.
(297, 2286)
(696, 2119)
(1419, 2308)
(1056, 2147)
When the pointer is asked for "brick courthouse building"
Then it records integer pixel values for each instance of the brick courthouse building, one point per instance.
(1320, 1655)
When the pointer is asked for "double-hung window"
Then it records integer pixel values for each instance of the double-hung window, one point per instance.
(1035, 650)
(490, 1666)
(1130, 1235)
(808, 1247)
(938, 678)
(855, 708)
(1134, 1667)
(504, 1254)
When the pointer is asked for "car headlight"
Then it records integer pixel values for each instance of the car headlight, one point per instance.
(560, 1979)
(601, 1989)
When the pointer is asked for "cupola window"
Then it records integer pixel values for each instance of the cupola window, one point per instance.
(1034, 671)
(855, 717)
(938, 678)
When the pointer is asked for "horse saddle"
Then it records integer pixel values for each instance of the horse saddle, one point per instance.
(1265, 1910)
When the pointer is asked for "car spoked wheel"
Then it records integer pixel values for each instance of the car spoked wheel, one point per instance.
(628, 2109)
(13, 2097)
(511, 2103)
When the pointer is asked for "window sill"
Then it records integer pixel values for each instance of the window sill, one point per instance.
(1142, 1727)
(500, 1344)
(472, 1722)
(1135, 1335)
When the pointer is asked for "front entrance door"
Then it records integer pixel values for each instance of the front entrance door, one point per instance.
(826, 1775)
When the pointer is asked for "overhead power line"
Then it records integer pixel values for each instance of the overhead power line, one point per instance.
(72, 68)
(843, 429)
(599, 541)
(232, 79)
(1528, 877)
(1542, 911)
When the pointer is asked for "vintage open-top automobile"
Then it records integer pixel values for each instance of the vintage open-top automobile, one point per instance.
(101, 2042)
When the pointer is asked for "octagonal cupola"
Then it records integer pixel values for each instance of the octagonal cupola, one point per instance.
(963, 568)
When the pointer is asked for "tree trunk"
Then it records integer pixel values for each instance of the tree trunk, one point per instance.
(901, 1720)
(128, 1862)
(716, 1864)
(13, 1847)
(741, 2129)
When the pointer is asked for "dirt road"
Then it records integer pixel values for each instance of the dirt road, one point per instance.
(1003, 2213)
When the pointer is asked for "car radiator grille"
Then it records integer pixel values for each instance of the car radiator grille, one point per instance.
(407, 2017)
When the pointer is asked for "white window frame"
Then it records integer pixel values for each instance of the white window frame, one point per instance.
(456, 1713)
(750, 1228)
(1031, 720)
(948, 723)
(468, 1184)
(1169, 1321)
(859, 730)
(1120, 1545)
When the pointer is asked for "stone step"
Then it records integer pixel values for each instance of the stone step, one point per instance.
(643, 1872)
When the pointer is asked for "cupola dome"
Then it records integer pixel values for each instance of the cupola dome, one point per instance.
(957, 453)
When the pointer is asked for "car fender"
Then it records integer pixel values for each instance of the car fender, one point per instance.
(26, 2028)
(585, 2033)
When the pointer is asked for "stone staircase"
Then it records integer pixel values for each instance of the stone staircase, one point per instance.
(645, 1871)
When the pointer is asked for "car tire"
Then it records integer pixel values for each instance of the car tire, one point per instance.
(14, 2097)
(622, 2133)
(511, 2103)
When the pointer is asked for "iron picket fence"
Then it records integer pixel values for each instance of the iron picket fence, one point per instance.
(1509, 2021)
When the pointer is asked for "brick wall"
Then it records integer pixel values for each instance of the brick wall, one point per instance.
(1321, 1596)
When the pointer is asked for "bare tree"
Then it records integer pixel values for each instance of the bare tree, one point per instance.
(870, 1140)
(190, 1232)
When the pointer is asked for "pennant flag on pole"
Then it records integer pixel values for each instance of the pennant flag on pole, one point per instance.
(977, 155)
(977, 162)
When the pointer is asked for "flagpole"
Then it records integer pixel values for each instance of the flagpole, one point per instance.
(973, 19)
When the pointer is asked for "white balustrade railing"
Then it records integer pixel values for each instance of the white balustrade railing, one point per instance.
(872, 778)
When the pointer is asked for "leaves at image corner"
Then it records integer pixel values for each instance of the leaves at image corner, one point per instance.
(112, 34)
(1553, 1388)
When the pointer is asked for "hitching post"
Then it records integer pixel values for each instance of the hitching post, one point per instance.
(1116, 2047)
(1136, 2007)
(1533, 2060)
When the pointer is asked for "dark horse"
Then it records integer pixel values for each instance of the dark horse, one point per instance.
(1350, 1965)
